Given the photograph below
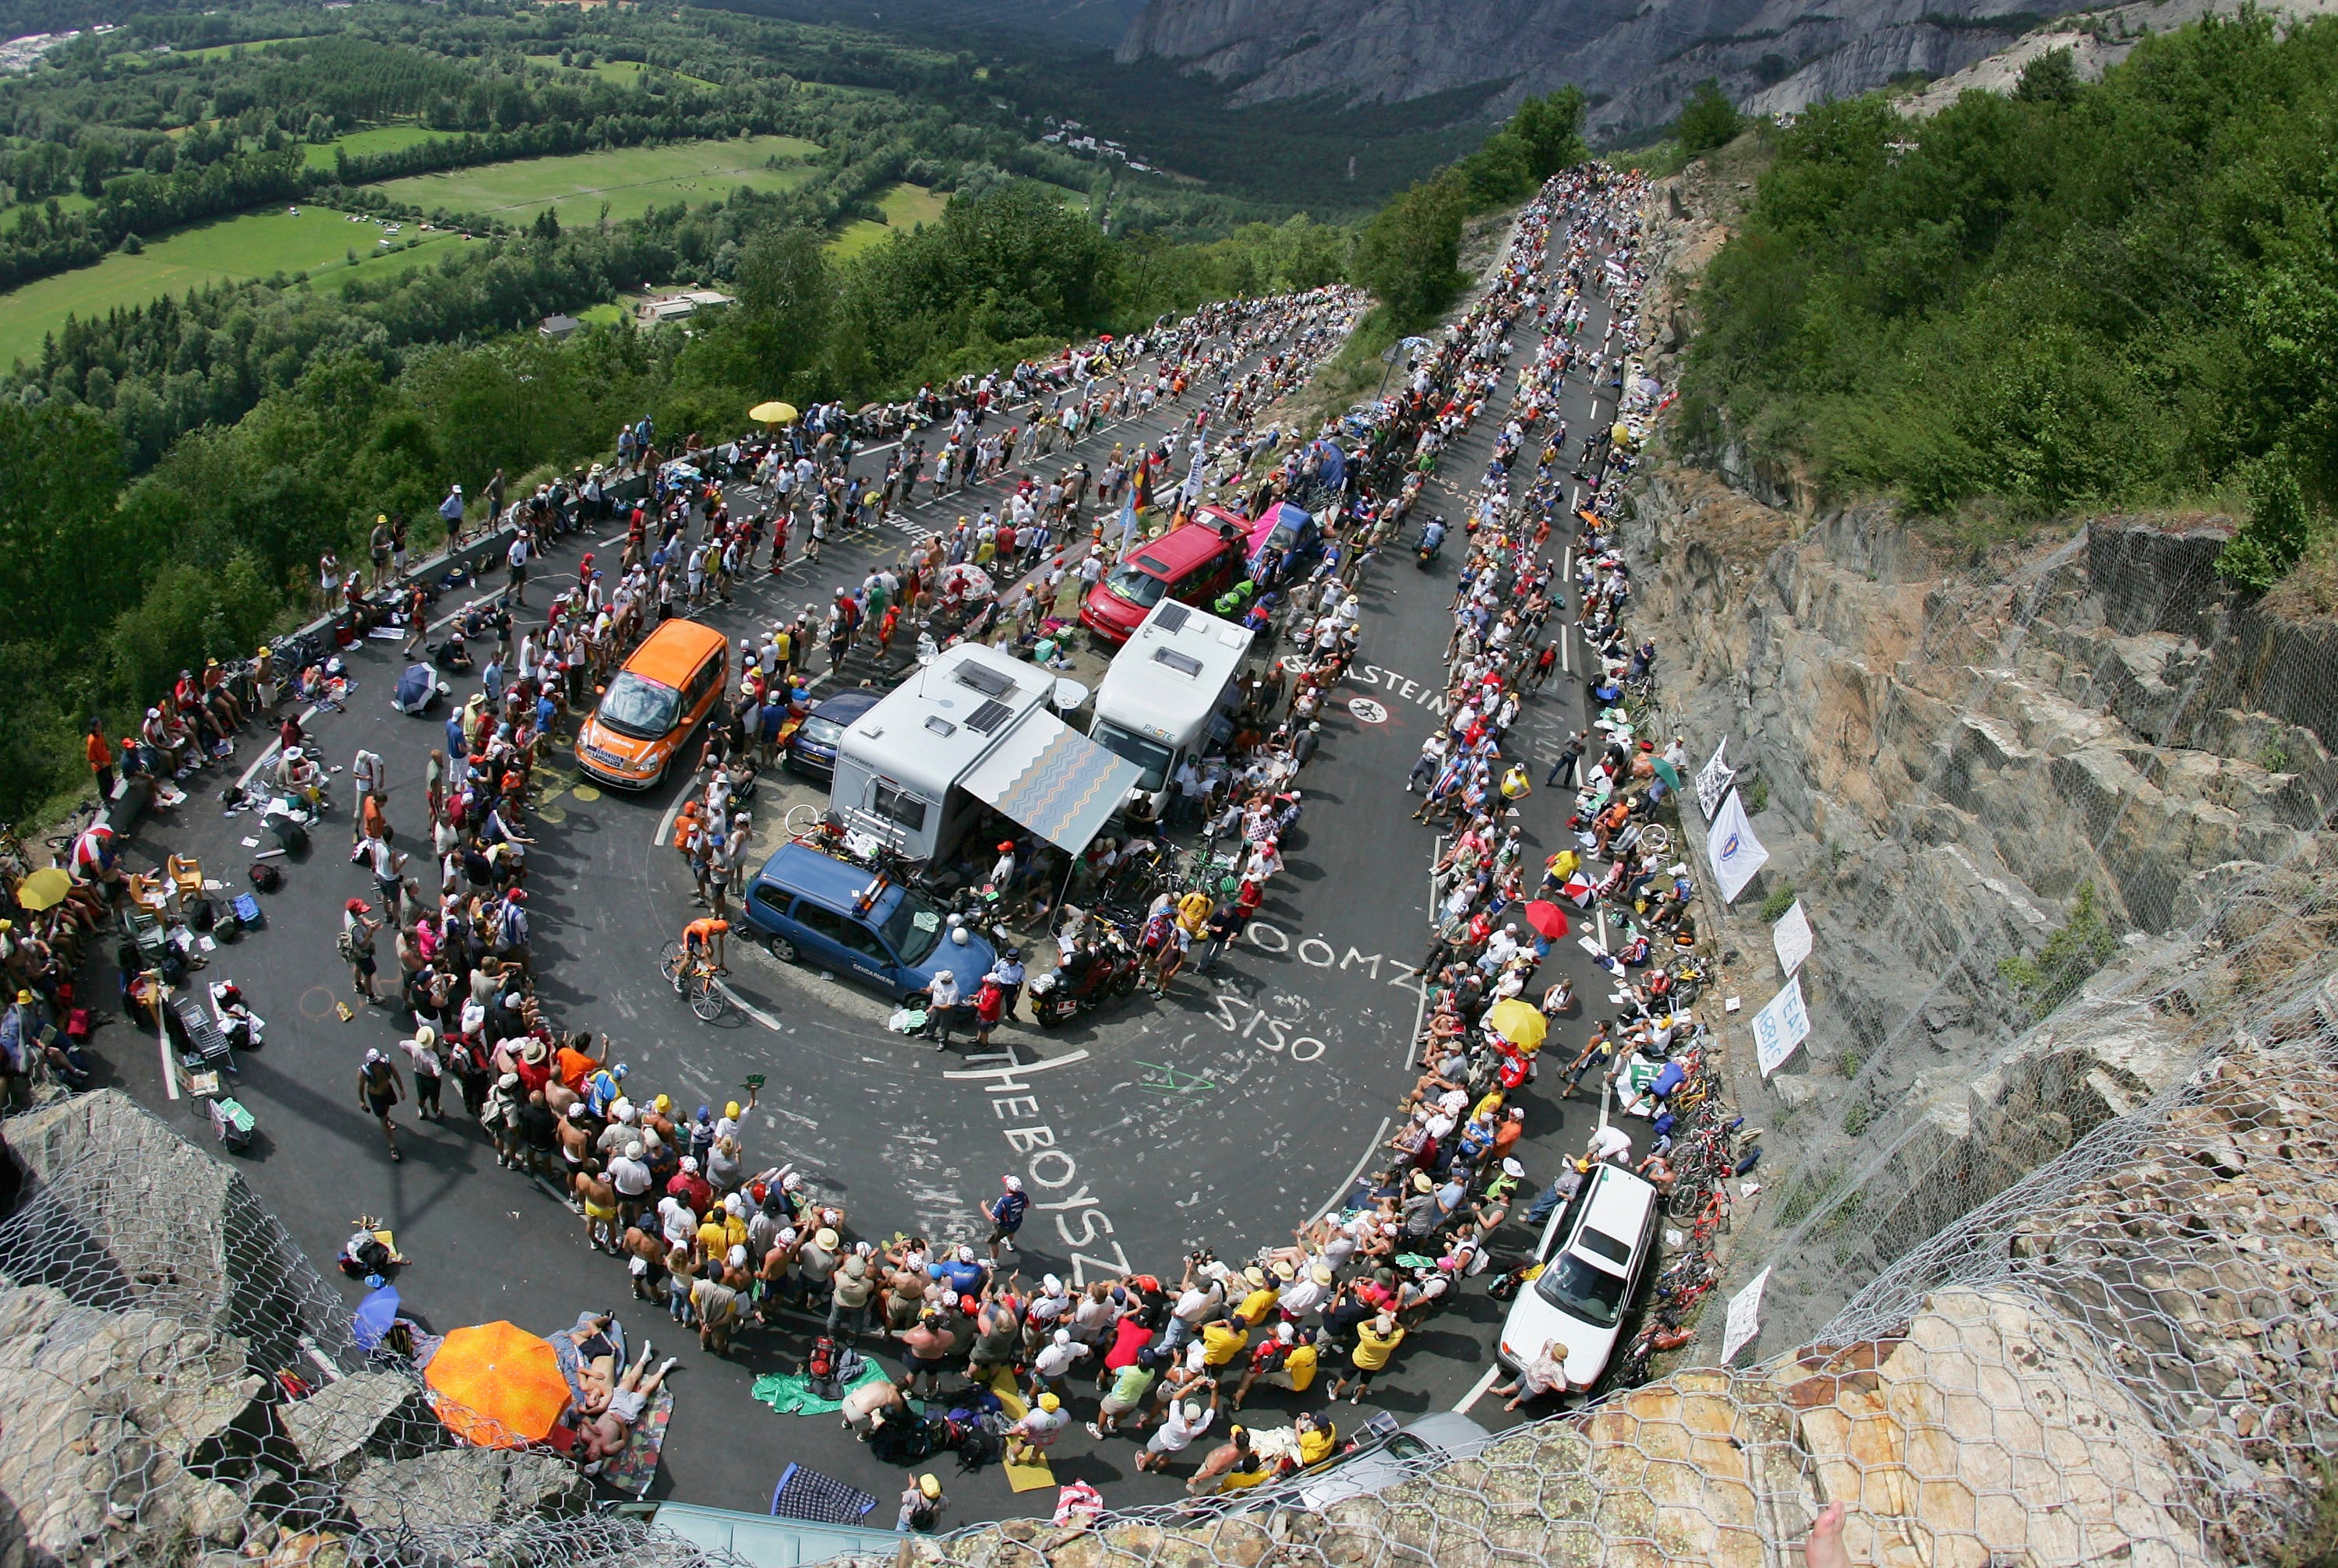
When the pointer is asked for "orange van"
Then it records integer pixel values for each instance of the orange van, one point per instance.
(672, 681)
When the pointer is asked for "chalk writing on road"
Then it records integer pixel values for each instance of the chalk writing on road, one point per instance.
(1160, 1078)
(1051, 1170)
(1430, 695)
(1317, 953)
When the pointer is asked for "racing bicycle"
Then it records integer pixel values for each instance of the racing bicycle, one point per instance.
(698, 977)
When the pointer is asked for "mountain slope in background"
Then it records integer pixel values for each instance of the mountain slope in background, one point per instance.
(1636, 61)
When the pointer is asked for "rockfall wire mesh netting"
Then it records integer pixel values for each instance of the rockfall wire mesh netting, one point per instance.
(152, 1307)
(2146, 868)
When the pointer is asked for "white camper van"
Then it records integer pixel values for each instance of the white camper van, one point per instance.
(967, 730)
(1171, 692)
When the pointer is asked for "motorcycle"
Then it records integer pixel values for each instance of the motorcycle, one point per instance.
(1104, 971)
(1432, 541)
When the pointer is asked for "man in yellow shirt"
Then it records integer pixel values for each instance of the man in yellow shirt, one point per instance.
(1376, 1341)
(1192, 909)
(1264, 1294)
(1221, 1341)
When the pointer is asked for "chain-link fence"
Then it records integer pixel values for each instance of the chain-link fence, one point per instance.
(156, 1327)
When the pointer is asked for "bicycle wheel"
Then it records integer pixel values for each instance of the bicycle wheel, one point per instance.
(670, 966)
(706, 999)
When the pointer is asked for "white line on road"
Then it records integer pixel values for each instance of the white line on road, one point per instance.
(1478, 1391)
(1041, 1066)
(162, 1043)
(749, 1008)
(1349, 1185)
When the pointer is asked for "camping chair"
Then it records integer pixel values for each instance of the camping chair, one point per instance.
(187, 876)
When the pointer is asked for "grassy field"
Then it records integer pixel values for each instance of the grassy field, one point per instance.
(632, 180)
(255, 245)
(221, 51)
(373, 139)
(608, 313)
(906, 207)
(624, 73)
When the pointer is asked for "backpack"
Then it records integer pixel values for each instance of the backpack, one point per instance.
(821, 1379)
(345, 945)
(201, 916)
(266, 878)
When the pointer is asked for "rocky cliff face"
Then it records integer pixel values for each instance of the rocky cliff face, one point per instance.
(1949, 756)
(1635, 60)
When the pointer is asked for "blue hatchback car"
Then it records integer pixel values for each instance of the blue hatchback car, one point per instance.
(812, 749)
(814, 909)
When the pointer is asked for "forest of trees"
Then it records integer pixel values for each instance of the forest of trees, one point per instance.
(168, 473)
(2076, 295)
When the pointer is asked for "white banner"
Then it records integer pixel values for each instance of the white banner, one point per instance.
(1791, 938)
(1713, 781)
(1745, 1317)
(1736, 855)
(1779, 1028)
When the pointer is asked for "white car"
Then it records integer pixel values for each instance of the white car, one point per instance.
(1595, 1254)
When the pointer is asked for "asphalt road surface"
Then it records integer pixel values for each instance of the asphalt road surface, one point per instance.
(1236, 1109)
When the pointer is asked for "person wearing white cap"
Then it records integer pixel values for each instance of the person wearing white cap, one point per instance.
(1005, 1214)
(941, 1008)
(380, 1087)
(1186, 1420)
(1051, 1368)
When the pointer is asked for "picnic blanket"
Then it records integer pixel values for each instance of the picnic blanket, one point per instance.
(819, 1499)
(1020, 1478)
(790, 1394)
(632, 1471)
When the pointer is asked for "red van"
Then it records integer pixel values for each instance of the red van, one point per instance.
(1190, 562)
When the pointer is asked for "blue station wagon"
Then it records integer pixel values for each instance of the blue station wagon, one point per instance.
(812, 908)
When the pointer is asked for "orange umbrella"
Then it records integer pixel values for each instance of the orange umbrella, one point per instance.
(499, 1385)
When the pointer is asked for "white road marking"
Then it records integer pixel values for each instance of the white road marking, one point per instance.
(749, 1008)
(1349, 1185)
(162, 1044)
(1041, 1066)
(1478, 1391)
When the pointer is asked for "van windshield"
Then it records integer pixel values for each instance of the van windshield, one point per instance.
(1579, 1288)
(1130, 581)
(636, 706)
(914, 927)
(1148, 754)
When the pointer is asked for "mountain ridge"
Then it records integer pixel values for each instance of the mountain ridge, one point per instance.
(1636, 61)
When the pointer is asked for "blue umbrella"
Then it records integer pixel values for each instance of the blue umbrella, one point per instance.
(376, 1313)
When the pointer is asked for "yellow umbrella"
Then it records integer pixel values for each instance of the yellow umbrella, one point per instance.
(1519, 1024)
(44, 888)
(499, 1385)
(773, 413)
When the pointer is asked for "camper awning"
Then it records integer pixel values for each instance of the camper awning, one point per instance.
(1054, 781)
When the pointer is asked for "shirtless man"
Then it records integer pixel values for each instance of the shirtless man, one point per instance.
(576, 1141)
(927, 1347)
(646, 1262)
(597, 1195)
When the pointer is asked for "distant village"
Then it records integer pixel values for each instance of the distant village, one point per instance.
(1072, 137)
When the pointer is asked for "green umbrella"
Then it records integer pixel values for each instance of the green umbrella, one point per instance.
(1669, 774)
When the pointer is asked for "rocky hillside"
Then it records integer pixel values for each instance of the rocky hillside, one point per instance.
(1965, 758)
(1636, 61)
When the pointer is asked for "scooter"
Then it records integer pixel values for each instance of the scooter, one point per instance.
(1110, 971)
(1432, 540)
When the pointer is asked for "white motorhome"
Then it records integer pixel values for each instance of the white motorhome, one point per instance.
(1171, 691)
(971, 729)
